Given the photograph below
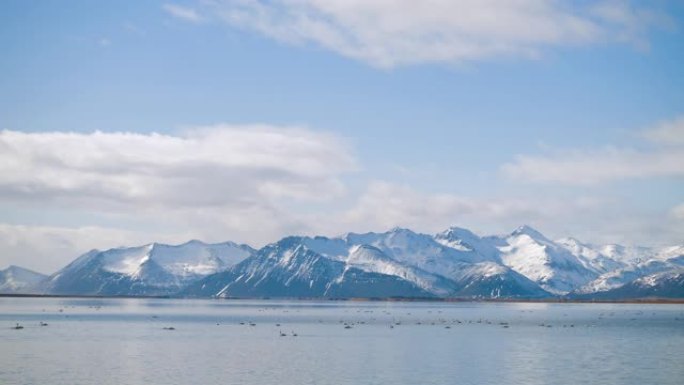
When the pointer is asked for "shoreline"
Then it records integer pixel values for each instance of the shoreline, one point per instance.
(666, 301)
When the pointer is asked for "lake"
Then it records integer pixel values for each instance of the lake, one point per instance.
(127, 341)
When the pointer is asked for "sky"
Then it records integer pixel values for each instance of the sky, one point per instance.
(128, 122)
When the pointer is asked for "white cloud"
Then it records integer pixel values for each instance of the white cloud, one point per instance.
(49, 248)
(183, 13)
(589, 217)
(223, 182)
(384, 205)
(607, 164)
(667, 133)
(399, 32)
(381, 206)
(678, 211)
(205, 167)
(214, 183)
(583, 167)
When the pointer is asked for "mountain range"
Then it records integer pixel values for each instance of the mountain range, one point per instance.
(455, 263)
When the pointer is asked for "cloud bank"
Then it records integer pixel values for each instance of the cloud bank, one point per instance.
(205, 167)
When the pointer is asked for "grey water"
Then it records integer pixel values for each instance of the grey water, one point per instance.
(128, 341)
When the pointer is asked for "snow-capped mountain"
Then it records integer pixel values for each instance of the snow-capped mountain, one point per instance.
(661, 261)
(289, 268)
(473, 264)
(627, 254)
(398, 262)
(465, 240)
(664, 284)
(552, 266)
(371, 259)
(15, 279)
(154, 269)
(600, 260)
(416, 249)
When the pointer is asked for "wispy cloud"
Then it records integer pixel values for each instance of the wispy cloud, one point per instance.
(385, 204)
(400, 32)
(591, 166)
(183, 13)
(667, 133)
(587, 216)
(134, 29)
(582, 167)
(678, 211)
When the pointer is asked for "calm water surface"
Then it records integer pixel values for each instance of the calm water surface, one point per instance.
(123, 341)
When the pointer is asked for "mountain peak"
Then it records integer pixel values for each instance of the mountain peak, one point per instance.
(194, 242)
(15, 279)
(572, 242)
(19, 269)
(398, 229)
(529, 231)
(457, 232)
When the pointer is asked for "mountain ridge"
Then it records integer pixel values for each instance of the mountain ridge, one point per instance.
(455, 263)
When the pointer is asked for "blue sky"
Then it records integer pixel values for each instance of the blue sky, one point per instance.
(336, 116)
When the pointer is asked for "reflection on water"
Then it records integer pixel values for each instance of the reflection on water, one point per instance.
(127, 341)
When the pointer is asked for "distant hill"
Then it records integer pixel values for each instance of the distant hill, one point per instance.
(16, 279)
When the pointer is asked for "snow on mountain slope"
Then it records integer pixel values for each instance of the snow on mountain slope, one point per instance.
(15, 279)
(372, 259)
(466, 241)
(288, 268)
(664, 284)
(415, 249)
(627, 254)
(303, 266)
(288, 265)
(152, 269)
(663, 260)
(455, 254)
(453, 263)
(493, 280)
(333, 248)
(591, 257)
(671, 253)
(198, 258)
(617, 278)
(531, 254)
